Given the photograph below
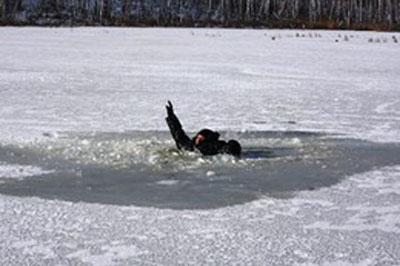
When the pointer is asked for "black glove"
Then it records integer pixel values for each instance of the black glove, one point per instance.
(170, 109)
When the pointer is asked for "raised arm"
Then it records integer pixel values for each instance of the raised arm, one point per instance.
(181, 139)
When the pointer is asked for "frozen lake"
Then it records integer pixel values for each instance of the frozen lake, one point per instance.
(89, 175)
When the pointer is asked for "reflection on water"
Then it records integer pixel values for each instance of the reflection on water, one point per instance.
(144, 168)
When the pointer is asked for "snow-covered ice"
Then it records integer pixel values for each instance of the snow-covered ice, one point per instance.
(61, 82)
(119, 79)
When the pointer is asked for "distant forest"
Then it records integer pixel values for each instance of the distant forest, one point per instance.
(332, 14)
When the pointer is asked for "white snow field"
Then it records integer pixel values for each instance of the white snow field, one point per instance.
(55, 82)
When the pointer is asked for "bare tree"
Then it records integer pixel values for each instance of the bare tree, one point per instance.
(342, 13)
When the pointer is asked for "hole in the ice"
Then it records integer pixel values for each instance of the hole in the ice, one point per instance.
(144, 168)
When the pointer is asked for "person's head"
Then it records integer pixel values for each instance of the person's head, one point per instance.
(233, 148)
(205, 135)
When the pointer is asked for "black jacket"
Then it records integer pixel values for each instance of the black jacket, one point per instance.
(206, 141)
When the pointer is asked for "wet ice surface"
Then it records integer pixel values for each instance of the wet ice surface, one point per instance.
(145, 169)
(100, 80)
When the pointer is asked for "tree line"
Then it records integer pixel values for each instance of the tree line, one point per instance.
(357, 14)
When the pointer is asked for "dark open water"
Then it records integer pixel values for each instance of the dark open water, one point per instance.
(144, 168)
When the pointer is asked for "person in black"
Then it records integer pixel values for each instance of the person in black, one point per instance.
(206, 141)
